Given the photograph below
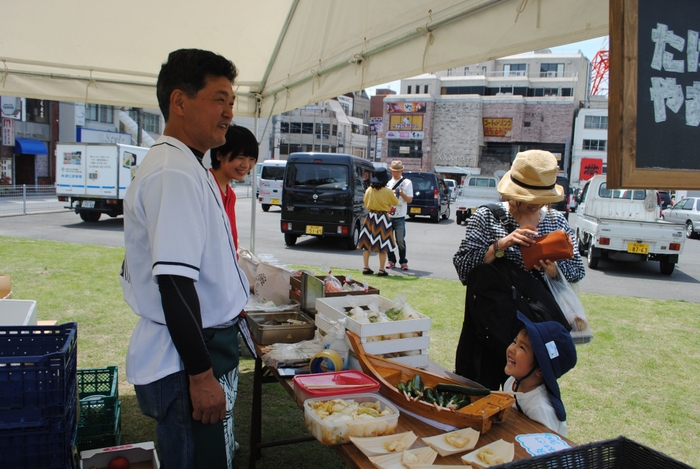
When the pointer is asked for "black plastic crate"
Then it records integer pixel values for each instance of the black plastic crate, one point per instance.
(99, 398)
(45, 444)
(619, 453)
(110, 438)
(37, 372)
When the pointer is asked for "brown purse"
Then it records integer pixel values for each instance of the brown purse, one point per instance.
(555, 246)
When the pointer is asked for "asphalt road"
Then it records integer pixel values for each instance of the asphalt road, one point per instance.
(430, 250)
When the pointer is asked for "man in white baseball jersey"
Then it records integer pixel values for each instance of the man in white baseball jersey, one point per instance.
(180, 272)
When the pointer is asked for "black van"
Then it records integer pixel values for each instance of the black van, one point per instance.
(323, 195)
(563, 206)
(430, 196)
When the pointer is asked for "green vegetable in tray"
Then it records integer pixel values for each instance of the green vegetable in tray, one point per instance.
(465, 390)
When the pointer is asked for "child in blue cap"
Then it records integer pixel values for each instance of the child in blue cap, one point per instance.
(540, 354)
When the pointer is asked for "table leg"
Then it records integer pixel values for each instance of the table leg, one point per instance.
(256, 416)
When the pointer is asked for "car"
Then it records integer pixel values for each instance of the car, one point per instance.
(430, 196)
(665, 199)
(563, 206)
(687, 212)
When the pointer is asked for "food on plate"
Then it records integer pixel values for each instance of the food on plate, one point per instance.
(409, 458)
(337, 410)
(456, 440)
(395, 446)
(489, 457)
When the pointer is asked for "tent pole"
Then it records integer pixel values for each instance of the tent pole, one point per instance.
(254, 182)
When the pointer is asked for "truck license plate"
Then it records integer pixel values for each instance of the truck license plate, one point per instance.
(314, 230)
(275, 202)
(638, 248)
(88, 204)
(415, 209)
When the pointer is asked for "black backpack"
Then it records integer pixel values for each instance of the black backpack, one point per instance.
(495, 292)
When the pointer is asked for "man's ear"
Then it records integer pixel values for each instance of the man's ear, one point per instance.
(177, 102)
(538, 373)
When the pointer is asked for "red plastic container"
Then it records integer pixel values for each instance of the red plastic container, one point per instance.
(338, 382)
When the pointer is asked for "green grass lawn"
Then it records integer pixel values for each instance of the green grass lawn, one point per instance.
(638, 378)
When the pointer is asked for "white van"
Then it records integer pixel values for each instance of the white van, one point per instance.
(270, 183)
(452, 186)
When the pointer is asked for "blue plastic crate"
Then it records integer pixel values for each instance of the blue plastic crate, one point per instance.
(37, 372)
(45, 444)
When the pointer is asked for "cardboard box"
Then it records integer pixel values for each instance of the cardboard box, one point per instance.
(295, 288)
(17, 313)
(5, 286)
(140, 456)
(335, 308)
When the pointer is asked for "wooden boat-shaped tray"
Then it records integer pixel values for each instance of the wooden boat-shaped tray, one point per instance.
(479, 415)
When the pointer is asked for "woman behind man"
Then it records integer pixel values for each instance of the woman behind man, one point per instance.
(529, 188)
(233, 161)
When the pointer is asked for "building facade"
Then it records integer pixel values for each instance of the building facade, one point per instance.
(589, 152)
(475, 119)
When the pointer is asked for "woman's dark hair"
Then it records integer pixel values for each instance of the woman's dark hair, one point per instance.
(188, 70)
(378, 185)
(239, 142)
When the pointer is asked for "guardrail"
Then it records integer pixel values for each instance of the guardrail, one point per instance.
(24, 199)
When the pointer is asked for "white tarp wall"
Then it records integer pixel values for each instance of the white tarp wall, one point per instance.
(289, 52)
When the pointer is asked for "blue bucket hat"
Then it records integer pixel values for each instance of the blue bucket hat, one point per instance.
(381, 175)
(555, 352)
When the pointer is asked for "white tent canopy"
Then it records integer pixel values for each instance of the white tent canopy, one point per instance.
(289, 52)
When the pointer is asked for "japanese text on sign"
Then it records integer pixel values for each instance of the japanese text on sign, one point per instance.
(406, 122)
(497, 127)
(665, 92)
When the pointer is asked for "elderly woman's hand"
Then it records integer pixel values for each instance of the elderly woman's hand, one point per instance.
(549, 267)
(522, 236)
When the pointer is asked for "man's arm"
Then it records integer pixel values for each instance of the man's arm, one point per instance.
(184, 321)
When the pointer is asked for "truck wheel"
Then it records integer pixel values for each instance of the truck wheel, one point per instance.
(351, 242)
(90, 217)
(592, 261)
(581, 244)
(458, 219)
(689, 231)
(265, 207)
(666, 267)
(435, 218)
(290, 239)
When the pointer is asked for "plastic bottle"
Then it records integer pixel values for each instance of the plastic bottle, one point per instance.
(329, 338)
(340, 344)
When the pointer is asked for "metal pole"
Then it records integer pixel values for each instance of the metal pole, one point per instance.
(24, 199)
(254, 183)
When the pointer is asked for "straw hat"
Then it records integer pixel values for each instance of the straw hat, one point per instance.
(396, 165)
(532, 179)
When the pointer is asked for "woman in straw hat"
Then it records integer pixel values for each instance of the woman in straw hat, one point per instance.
(528, 190)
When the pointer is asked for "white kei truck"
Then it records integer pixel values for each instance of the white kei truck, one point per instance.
(624, 225)
(94, 177)
(476, 191)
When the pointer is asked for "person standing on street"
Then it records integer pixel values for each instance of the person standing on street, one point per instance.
(180, 273)
(403, 188)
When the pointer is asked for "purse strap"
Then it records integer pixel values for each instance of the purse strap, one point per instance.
(500, 214)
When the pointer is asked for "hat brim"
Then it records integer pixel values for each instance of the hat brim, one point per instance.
(511, 191)
(537, 342)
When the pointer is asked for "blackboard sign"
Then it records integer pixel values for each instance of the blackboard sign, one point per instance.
(654, 102)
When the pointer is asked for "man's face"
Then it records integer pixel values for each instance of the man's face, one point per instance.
(395, 174)
(209, 113)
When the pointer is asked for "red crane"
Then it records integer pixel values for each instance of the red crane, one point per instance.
(600, 67)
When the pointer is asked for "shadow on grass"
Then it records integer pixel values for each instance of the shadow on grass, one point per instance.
(281, 419)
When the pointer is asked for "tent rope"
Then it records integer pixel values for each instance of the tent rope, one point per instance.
(318, 77)
(429, 41)
(523, 5)
(87, 88)
(5, 73)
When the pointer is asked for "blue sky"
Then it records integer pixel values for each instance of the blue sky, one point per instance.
(589, 49)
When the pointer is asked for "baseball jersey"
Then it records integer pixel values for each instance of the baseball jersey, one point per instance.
(175, 224)
(407, 187)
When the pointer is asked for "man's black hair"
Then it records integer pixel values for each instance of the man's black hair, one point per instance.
(188, 70)
(239, 142)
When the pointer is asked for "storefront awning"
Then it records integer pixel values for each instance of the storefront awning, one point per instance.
(28, 146)
(457, 170)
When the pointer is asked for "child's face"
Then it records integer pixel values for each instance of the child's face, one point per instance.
(519, 356)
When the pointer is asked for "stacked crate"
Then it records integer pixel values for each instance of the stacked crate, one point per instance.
(99, 423)
(38, 396)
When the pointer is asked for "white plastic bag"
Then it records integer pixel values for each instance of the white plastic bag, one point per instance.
(249, 263)
(571, 307)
